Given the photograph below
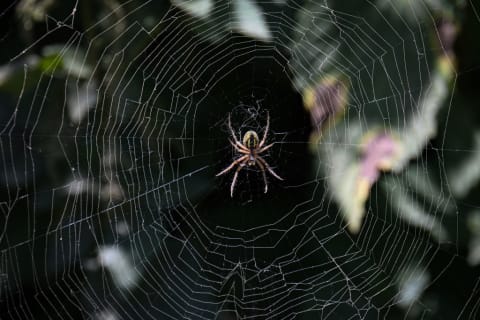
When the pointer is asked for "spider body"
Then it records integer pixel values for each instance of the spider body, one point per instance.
(249, 149)
(250, 140)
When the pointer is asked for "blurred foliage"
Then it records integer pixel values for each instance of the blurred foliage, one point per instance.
(111, 132)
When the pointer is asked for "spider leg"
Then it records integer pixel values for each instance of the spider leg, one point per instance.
(265, 148)
(260, 159)
(262, 167)
(233, 164)
(233, 132)
(266, 131)
(234, 180)
(241, 150)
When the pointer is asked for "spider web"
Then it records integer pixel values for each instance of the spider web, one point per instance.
(110, 207)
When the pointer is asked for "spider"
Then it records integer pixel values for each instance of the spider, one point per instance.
(250, 149)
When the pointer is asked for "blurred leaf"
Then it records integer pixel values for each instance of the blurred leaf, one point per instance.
(116, 261)
(55, 59)
(50, 63)
(422, 126)
(33, 11)
(249, 20)
(215, 21)
(473, 257)
(12, 75)
(408, 209)
(326, 103)
(196, 8)
(412, 282)
(473, 224)
(343, 182)
(73, 60)
(414, 9)
(466, 174)
(343, 70)
(351, 177)
(81, 99)
(418, 178)
(379, 152)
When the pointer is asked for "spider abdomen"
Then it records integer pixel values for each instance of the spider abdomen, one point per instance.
(250, 139)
